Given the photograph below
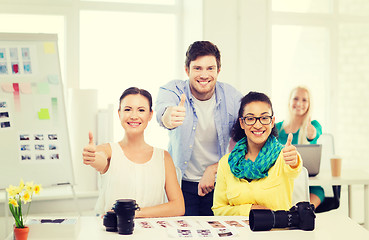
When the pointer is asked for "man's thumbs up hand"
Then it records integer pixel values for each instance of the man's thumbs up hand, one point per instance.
(182, 102)
(175, 115)
(289, 152)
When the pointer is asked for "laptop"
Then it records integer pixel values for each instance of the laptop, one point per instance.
(311, 155)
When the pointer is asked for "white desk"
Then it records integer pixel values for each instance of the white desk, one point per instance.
(348, 177)
(330, 225)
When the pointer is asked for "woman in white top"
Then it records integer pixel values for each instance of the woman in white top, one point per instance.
(132, 168)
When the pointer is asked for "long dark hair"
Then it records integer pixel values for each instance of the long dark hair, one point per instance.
(237, 132)
(135, 91)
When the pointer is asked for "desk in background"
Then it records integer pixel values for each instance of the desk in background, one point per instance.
(348, 177)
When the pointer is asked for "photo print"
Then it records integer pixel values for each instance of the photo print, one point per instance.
(54, 156)
(3, 104)
(163, 224)
(4, 115)
(25, 147)
(39, 147)
(183, 223)
(216, 224)
(204, 233)
(52, 147)
(184, 233)
(145, 224)
(40, 157)
(224, 232)
(5, 125)
(53, 136)
(38, 137)
(25, 157)
(24, 137)
(234, 223)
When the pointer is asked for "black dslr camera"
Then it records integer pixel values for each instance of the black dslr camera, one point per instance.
(301, 216)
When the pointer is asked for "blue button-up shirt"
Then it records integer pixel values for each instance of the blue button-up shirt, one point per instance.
(182, 138)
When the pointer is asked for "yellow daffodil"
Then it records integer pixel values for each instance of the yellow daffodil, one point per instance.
(26, 197)
(12, 190)
(37, 188)
(29, 186)
(17, 195)
(21, 184)
(13, 202)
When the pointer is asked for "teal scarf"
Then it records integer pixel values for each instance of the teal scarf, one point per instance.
(242, 168)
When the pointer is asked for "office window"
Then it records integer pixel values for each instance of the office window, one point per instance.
(300, 56)
(163, 2)
(354, 7)
(302, 6)
(352, 101)
(120, 50)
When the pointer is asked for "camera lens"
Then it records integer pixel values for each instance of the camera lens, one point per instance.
(110, 221)
(261, 220)
(125, 211)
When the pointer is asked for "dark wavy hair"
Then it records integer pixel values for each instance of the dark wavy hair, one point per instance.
(135, 91)
(237, 132)
(202, 48)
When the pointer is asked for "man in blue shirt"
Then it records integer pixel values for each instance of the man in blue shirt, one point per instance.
(199, 114)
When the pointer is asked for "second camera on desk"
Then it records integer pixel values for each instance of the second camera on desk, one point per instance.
(121, 219)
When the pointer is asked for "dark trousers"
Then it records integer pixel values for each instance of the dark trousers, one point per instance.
(196, 205)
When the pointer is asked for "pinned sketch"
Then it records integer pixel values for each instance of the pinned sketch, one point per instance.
(2, 54)
(25, 88)
(49, 47)
(53, 79)
(7, 87)
(43, 88)
(43, 114)
(3, 68)
(13, 53)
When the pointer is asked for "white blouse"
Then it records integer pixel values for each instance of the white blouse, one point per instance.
(144, 183)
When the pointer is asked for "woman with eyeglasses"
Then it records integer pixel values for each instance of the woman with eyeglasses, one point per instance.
(255, 175)
(304, 130)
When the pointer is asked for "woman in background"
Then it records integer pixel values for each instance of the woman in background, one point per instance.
(304, 130)
(133, 169)
(256, 174)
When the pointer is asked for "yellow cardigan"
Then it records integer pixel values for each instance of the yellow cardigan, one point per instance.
(234, 196)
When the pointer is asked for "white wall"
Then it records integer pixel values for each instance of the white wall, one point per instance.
(239, 29)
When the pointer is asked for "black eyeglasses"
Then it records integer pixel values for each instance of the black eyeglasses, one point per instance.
(265, 120)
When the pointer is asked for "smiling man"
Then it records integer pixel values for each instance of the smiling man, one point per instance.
(199, 114)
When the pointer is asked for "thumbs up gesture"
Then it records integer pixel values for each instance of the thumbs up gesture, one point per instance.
(310, 130)
(289, 152)
(175, 115)
(89, 152)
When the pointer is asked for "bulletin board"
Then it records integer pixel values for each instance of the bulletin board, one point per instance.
(34, 139)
